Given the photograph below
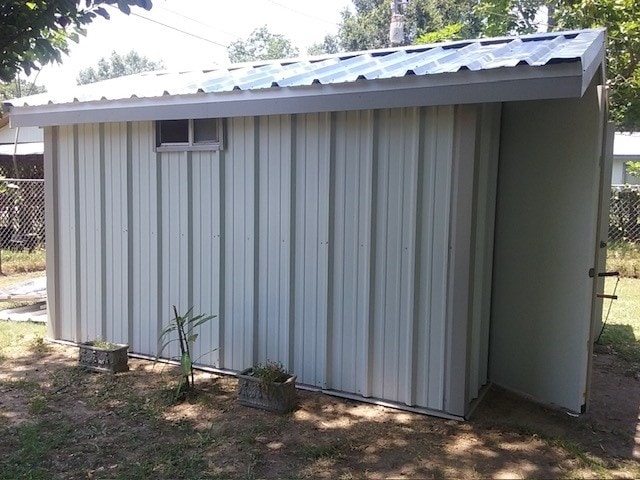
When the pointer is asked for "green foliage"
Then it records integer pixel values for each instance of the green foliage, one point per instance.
(368, 27)
(19, 88)
(118, 66)
(36, 32)
(271, 372)
(330, 44)
(633, 168)
(620, 17)
(450, 32)
(509, 17)
(261, 45)
(99, 343)
(184, 326)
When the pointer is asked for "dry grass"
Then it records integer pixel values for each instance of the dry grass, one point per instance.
(58, 421)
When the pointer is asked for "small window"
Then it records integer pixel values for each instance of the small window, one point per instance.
(182, 135)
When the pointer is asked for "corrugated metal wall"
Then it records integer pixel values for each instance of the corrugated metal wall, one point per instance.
(319, 240)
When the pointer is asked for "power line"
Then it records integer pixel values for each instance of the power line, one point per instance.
(304, 14)
(197, 21)
(179, 30)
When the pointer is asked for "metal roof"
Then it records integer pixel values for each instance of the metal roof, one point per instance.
(566, 55)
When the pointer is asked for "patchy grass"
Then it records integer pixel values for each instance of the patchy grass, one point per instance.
(14, 262)
(624, 257)
(622, 329)
(15, 278)
(60, 421)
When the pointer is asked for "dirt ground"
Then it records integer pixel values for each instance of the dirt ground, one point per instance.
(124, 426)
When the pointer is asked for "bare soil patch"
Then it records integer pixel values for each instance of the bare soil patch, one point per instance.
(58, 421)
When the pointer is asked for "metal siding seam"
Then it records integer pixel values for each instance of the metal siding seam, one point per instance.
(52, 225)
(129, 207)
(190, 237)
(331, 117)
(103, 235)
(159, 239)
(338, 239)
(221, 252)
(324, 226)
(292, 244)
(254, 215)
(411, 177)
(368, 351)
(76, 250)
(380, 352)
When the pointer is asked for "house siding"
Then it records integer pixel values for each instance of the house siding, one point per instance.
(323, 241)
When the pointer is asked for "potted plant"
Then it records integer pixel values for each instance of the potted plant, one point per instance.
(101, 356)
(269, 387)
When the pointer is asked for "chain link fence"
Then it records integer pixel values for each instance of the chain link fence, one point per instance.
(624, 214)
(22, 215)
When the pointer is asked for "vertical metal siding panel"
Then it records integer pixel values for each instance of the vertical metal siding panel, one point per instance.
(90, 314)
(274, 215)
(484, 224)
(351, 237)
(433, 232)
(394, 215)
(52, 232)
(408, 268)
(144, 195)
(460, 262)
(175, 238)
(67, 237)
(115, 249)
(343, 310)
(239, 244)
(438, 294)
(311, 249)
(206, 253)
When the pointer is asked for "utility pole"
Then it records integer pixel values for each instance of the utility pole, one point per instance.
(396, 28)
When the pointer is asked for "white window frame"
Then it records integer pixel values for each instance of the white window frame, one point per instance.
(190, 145)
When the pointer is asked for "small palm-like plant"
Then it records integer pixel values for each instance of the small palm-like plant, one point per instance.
(184, 325)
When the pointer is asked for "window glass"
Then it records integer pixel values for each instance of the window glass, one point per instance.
(173, 131)
(205, 130)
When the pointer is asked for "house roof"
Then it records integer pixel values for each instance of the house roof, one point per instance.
(30, 148)
(626, 144)
(551, 65)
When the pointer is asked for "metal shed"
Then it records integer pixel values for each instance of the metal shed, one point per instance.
(401, 226)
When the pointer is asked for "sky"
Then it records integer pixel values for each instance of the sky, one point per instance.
(210, 25)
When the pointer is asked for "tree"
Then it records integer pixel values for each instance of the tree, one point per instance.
(19, 88)
(504, 17)
(330, 44)
(369, 26)
(118, 66)
(36, 32)
(620, 17)
(261, 45)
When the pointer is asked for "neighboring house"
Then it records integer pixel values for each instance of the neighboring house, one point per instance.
(401, 226)
(25, 143)
(626, 148)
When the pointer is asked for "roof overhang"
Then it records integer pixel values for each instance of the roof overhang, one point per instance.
(558, 79)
